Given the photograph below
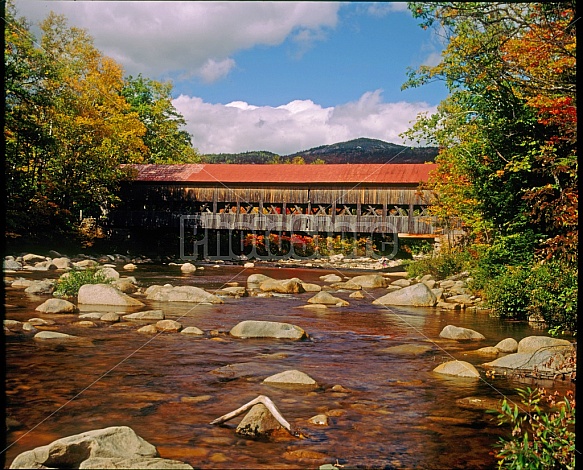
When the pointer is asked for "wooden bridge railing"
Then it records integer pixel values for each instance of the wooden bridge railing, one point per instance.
(411, 224)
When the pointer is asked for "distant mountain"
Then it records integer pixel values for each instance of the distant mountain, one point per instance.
(365, 150)
(361, 150)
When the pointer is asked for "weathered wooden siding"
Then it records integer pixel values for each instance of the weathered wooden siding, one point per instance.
(273, 195)
(314, 223)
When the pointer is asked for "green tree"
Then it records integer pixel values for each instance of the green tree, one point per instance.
(93, 124)
(27, 133)
(165, 139)
(507, 131)
(68, 128)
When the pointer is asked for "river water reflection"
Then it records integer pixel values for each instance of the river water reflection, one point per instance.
(396, 413)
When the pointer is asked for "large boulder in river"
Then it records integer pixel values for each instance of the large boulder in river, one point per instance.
(56, 306)
(331, 278)
(282, 286)
(369, 281)
(71, 452)
(417, 295)
(507, 345)
(105, 294)
(267, 329)
(191, 294)
(255, 280)
(54, 337)
(460, 334)
(310, 287)
(532, 344)
(554, 360)
(457, 369)
(40, 287)
(326, 298)
(544, 354)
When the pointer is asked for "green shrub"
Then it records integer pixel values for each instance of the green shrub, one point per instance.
(69, 284)
(553, 295)
(440, 266)
(508, 295)
(492, 260)
(539, 440)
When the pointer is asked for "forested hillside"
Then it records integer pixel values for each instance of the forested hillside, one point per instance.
(361, 150)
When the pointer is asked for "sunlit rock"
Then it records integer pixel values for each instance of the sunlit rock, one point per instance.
(168, 325)
(282, 286)
(267, 329)
(417, 295)
(181, 294)
(187, 268)
(460, 334)
(258, 422)
(532, 344)
(147, 315)
(40, 287)
(508, 345)
(72, 451)
(326, 298)
(309, 287)
(255, 280)
(104, 294)
(291, 377)
(331, 278)
(369, 281)
(457, 368)
(56, 306)
(192, 330)
(401, 283)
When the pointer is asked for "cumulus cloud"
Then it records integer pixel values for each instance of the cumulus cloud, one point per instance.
(212, 70)
(188, 38)
(384, 8)
(295, 126)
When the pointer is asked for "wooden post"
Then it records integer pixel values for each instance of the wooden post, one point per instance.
(411, 218)
(284, 216)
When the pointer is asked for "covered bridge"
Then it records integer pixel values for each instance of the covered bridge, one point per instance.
(330, 198)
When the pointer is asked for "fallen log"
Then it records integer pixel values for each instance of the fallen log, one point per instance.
(266, 401)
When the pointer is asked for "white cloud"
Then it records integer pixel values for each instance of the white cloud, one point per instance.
(295, 126)
(384, 8)
(212, 70)
(188, 38)
(433, 59)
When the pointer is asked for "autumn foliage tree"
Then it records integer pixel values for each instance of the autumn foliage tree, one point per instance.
(71, 120)
(165, 139)
(507, 131)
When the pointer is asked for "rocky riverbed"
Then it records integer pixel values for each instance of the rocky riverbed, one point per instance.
(337, 349)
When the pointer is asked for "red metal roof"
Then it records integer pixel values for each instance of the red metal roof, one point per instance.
(407, 173)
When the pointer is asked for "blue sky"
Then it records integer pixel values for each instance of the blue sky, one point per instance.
(276, 76)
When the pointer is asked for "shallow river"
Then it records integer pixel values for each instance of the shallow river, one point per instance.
(396, 412)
